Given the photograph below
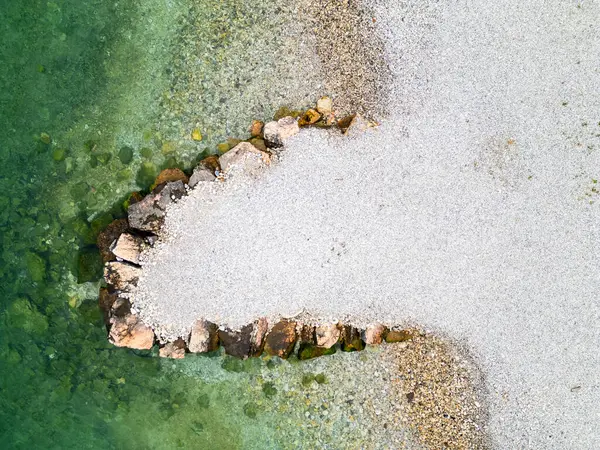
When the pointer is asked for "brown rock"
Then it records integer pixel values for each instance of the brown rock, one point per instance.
(327, 335)
(256, 128)
(281, 339)
(204, 337)
(131, 332)
(244, 158)
(398, 336)
(173, 350)
(375, 334)
(261, 326)
(129, 247)
(121, 276)
(237, 343)
(307, 334)
(351, 340)
(106, 300)
(110, 234)
(148, 214)
(354, 125)
(120, 308)
(275, 133)
(171, 175)
(211, 163)
(310, 117)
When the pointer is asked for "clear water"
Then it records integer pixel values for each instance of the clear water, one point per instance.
(97, 76)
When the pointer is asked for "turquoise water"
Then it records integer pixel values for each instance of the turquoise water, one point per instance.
(85, 120)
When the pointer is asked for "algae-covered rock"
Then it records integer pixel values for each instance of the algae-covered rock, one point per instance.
(25, 315)
(146, 174)
(398, 336)
(309, 351)
(196, 135)
(45, 138)
(89, 265)
(351, 339)
(167, 175)
(310, 117)
(126, 155)
(59, 154)
(36, 266)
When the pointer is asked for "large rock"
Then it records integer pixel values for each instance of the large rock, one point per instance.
(237, 343)
(108, 236)
(375, 334)
(129, 247)
(167, 175)
(327, 335)
(121, 276)
(173, 350)
(204, 337)
(131, 332)
(149, 214)
(275, 133)
(281, 339)
(244, 158)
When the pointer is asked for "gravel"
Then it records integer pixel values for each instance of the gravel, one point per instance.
(472, 210)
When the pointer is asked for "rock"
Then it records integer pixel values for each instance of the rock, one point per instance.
(126, 155)
(121, 276)
(131, 332)
(59, 154)
(223, 147)
(110, 234)
(237, 343)
(284, 111)
(120, 308)
(310, 117)
(398, 336)
(196, 135)
(36, 266)
(171, 175)
(89, 265)
(24, 314)
(275, 133)
(45, 138)
(307, 334)
(256, 128)
(204, 337)
(259, 144)
(351, 340)
(129, 247)
(201, 174)
(148, 215)
(354, 125)
(375, 334)
(309, 351)
(325, 105)
(261, 326)
(281, 339)
(106, 300)
(173, 350)
(244, 158)
(327, 335)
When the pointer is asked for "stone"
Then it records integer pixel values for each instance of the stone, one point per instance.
(375, 334)
(129, 247)
(261, 326)
(106, 300)
(59, 154)
(327, 335)
(398, 336)
(237, 343)
(110, 234)
(131, 332)
(244, 158)
(307, 334)
(211, 162)
(45, 138)
(354, 125)
(256, 128)
(281, 339)
(201, 174)
(204, 337)
(126, 155)
(148, 214)
(325, 105)
(309, 351)
(121, 276)
(196, 135)
(89, 265)
(173, 350)
(259, 143)
(171, 175)
(120, 308)
(275, 133)
(351, 340)
(310, 117)
(223, 147)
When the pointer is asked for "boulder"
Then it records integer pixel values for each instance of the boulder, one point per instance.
(275, 133)
(173, 350)
(204, 337)
(131, 332)
(351, 340)
(375, 334)
(398, 336)
(110, 234)
(129, 247)
(325, 105)
(327, 335)
(167, 175)
(149, 214)
(256, 128)
(261, 326)
(237, 343)
(122, 276)
(281, 339)
(244, 158)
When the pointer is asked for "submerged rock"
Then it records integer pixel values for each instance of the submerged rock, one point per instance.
(204, 337)
(327, 335)
(131, 332)
(129, 247)
(244, 158)
(281, 339)
(122, 276)
(148, 214)
(173, 350)
(167, 175)
(108, 236)
(275, 133)
(309, 351)
(399, 336)
(106, 300)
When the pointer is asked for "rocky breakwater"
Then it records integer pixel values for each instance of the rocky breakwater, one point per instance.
(123, 242)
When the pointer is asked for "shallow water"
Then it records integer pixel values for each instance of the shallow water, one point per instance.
(91, 109)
